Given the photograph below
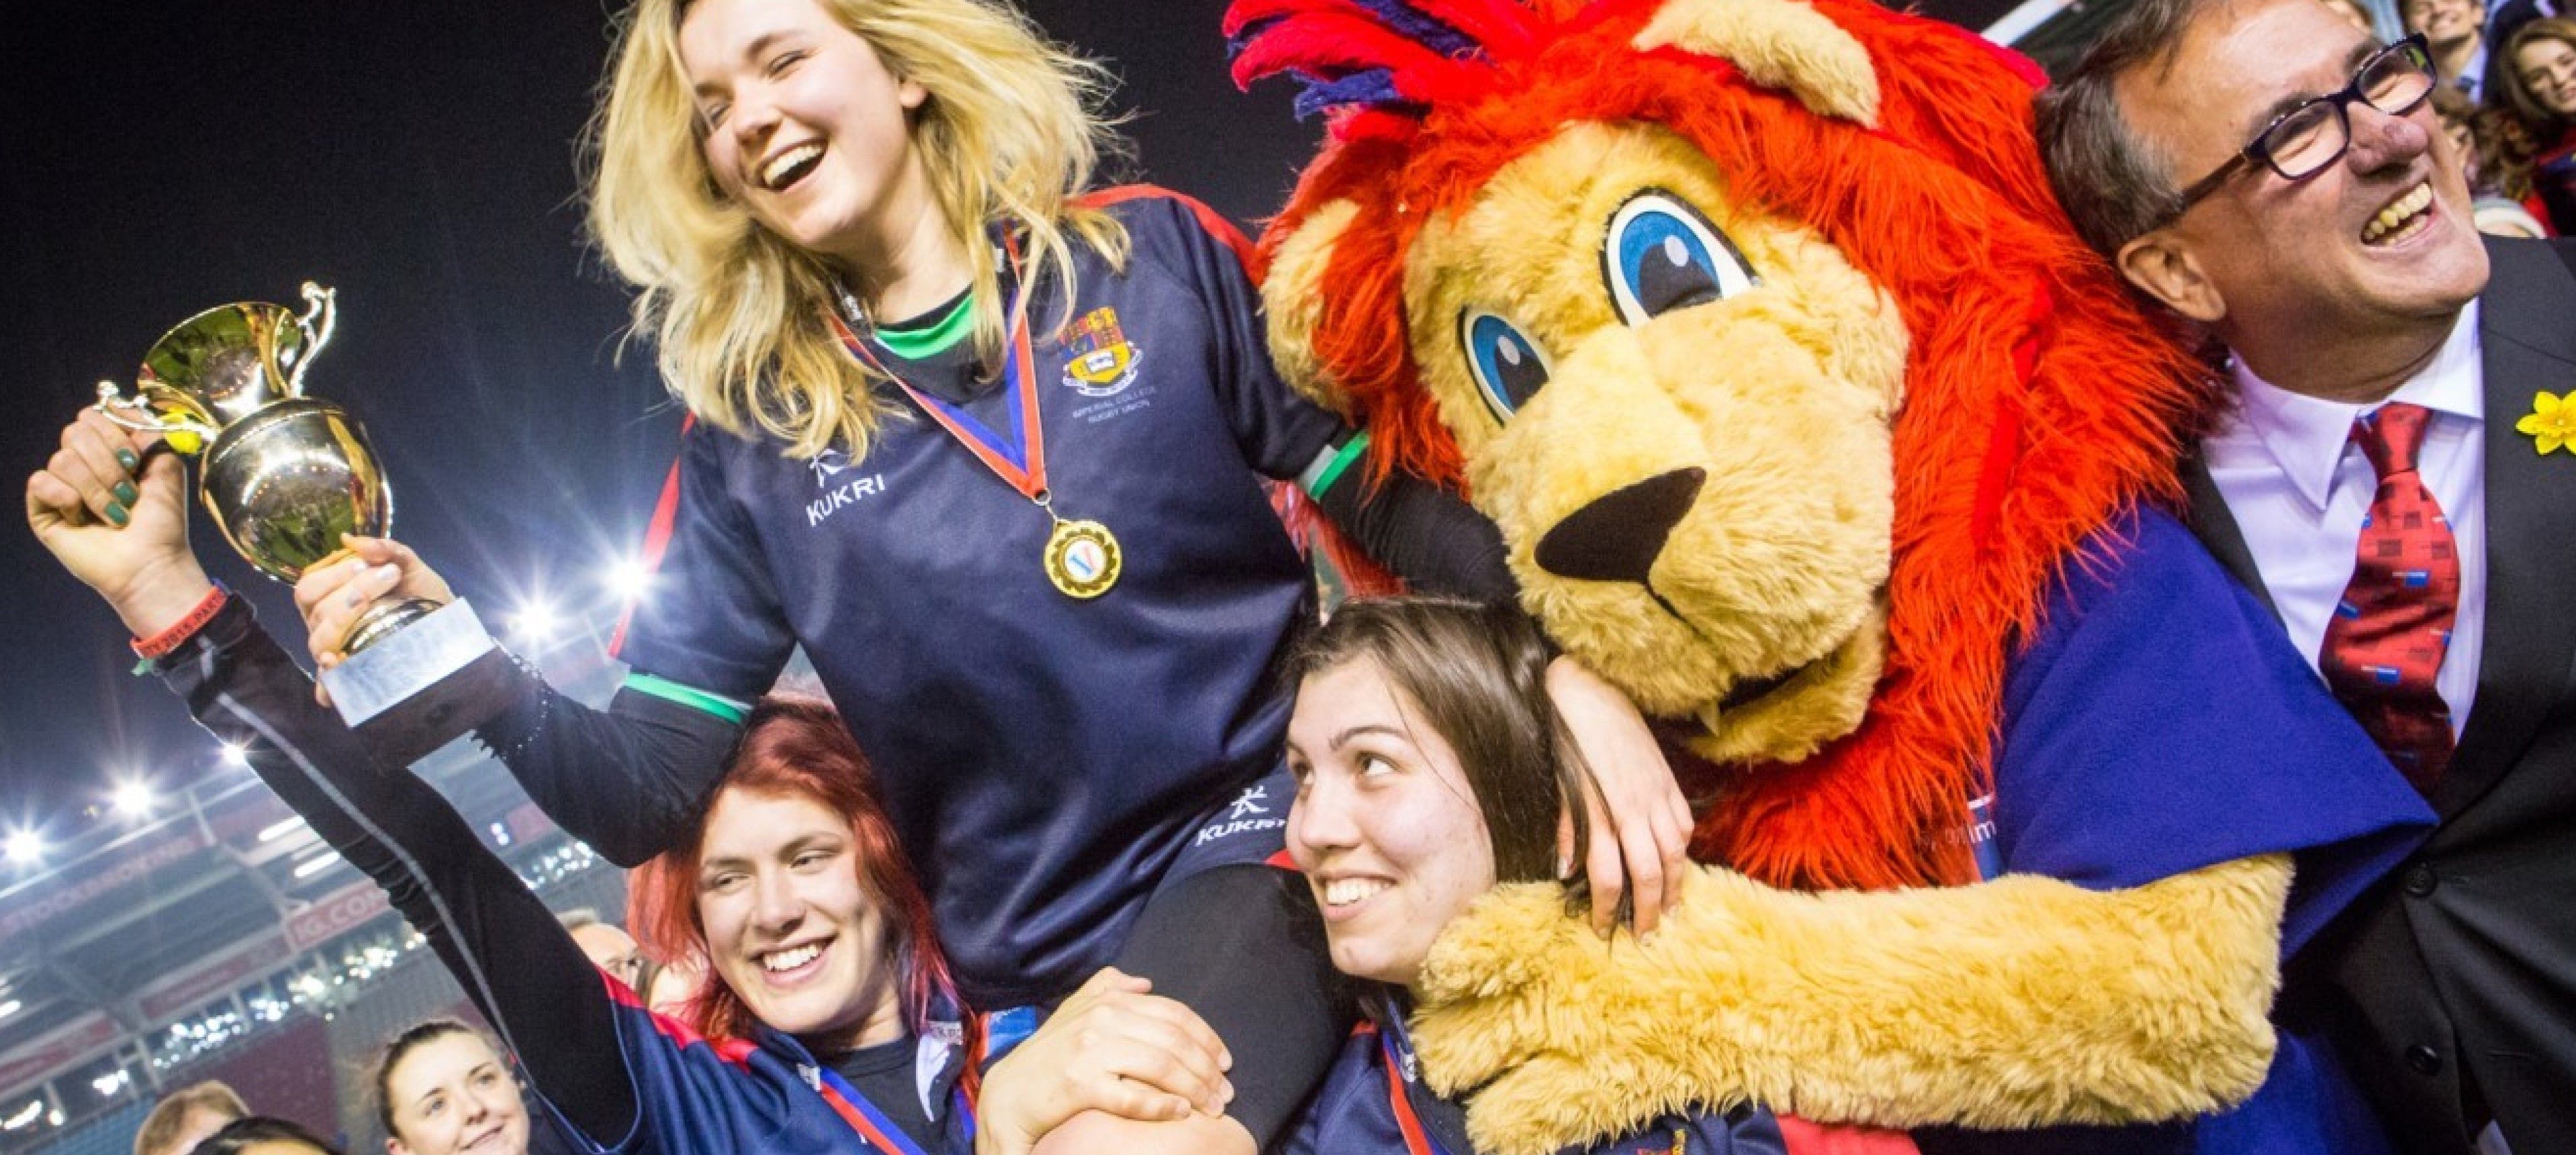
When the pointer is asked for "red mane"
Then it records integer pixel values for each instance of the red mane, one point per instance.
(2039, 401)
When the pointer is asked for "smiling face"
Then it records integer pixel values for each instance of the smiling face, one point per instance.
(789, 927)
(453, 1095)
(2445, 24)
(2547, 69)
(1385, 826)
(2380, 237)
(1677, 408)
(805, 125)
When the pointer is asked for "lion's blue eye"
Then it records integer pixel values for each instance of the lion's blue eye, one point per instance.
(1509, 368)
(1661, 255)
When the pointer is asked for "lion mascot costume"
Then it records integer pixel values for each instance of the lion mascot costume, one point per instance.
(1809, 423)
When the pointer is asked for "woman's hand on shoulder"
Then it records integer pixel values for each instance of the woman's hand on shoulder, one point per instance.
(114, 512)
(1640, 823)
(1113, 1047)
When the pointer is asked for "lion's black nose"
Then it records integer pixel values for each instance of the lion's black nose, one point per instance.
(1616, 538)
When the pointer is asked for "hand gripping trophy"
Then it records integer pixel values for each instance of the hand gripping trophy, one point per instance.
(284, 476)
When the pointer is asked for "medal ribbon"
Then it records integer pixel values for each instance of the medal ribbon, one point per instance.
(1399, 1094)
(1019, 459)
(875, 1125)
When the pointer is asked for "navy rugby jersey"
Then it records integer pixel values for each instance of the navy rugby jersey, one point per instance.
(614, 1076)
(768, 1094)
(1373, 1102)
(1046, 760)
(2157, 722)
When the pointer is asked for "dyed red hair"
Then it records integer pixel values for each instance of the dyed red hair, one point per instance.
(2039, 400)
(793, 745)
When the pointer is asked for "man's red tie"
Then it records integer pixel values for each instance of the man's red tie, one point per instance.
(2385, 642)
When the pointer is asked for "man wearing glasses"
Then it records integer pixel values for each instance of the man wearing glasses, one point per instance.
(2277, 181)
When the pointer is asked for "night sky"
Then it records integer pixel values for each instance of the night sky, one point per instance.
(159, 159)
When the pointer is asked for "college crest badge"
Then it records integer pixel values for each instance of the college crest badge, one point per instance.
(1102, 361)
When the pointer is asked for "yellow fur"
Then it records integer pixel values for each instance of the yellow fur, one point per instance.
(1799, 718)
(2020, 1002)
(1291, 295)
(1782, 394)
(1778, 44)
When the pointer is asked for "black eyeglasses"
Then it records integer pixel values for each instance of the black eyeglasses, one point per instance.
(2300, 143)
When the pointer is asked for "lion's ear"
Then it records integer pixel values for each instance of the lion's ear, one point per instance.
(1779, 44)
(1293, 294)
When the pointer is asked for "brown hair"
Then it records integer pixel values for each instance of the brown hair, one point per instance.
(240, 1134)
(2481, 164)
(1478, 673)
(2522, 127)
(168, 1116)
(2114, 186)
(380, 1079)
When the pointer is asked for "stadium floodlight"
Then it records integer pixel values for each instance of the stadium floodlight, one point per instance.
(277, 830)
(134, 798)
(236, 754)
(631, 579)
(537, 621)
(316, 865)
(25, 847)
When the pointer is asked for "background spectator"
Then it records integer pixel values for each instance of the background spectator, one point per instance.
(185, 1117)
(2505, 19)
(2457, 31)
(264, 1135)
(611, 949)
(2471, 132)
(442, 1087)
(2536, 140)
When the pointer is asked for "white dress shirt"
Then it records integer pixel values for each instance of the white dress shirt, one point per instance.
(2298, 487)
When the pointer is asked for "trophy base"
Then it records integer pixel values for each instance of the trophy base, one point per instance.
(417, 688)
(384, 621)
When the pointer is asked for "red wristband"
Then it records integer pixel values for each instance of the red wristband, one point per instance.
(178, 633)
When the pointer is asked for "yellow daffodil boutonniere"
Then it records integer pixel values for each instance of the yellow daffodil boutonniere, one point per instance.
(2551, 424)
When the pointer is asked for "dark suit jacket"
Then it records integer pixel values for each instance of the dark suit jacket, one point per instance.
(2454, 982)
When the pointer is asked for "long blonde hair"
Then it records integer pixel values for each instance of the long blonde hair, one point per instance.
(1009, 135)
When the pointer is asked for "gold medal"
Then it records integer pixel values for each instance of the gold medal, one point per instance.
(1082, 558)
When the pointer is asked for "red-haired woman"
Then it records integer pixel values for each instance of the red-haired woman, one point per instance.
(827, 1022)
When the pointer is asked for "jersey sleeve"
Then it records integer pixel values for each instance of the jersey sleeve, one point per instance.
(520, 967)
(709, 618)
(630, 780)
(2159, 722)
(1280, 432)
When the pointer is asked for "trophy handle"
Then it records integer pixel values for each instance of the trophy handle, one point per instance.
(320, 313)
(186, 434)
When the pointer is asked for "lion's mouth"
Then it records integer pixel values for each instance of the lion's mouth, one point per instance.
(1748, 691)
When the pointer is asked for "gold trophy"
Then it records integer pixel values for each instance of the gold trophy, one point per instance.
(284, 476)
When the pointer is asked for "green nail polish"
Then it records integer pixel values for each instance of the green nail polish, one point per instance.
(126, 458)
(116, 513)
(125, 492)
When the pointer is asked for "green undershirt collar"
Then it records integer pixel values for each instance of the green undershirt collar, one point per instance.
(936, 334)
